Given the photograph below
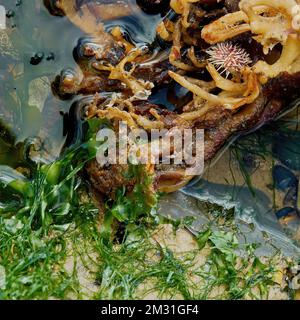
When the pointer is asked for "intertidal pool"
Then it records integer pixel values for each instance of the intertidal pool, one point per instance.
(71, 228)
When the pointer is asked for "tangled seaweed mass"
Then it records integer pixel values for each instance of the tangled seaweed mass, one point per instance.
(239, 62)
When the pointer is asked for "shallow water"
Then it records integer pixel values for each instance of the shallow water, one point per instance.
(28, 109)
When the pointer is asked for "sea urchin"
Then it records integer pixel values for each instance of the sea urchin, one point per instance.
(229, 57)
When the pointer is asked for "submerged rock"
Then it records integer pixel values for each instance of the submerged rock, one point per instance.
(284, 178)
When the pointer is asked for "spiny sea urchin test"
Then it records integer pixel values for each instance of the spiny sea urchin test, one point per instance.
(229, 57)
